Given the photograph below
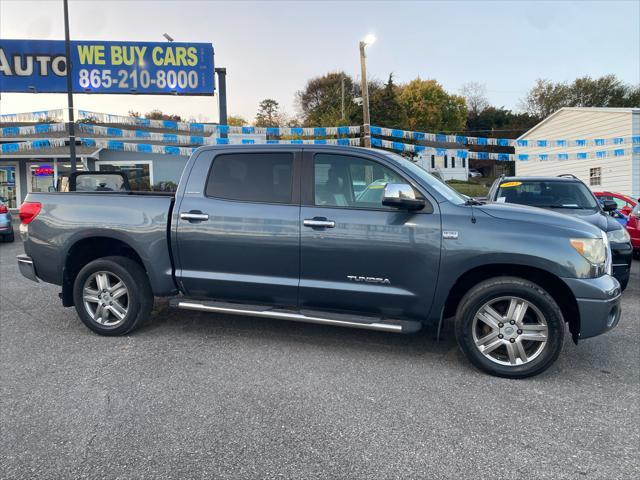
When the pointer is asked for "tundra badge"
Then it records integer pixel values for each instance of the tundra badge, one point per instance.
(355, 278)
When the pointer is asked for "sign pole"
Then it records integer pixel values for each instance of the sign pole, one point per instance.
(222, 99)
(71, 124)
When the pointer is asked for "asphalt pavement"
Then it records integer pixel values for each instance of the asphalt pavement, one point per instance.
(196, 395)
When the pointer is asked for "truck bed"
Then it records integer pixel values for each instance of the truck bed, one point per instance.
(140, 220)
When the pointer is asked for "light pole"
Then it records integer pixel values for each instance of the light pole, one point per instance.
(366, 123)
(67, 51)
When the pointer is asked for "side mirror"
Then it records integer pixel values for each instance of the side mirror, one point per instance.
(609, 205)
(401, 195)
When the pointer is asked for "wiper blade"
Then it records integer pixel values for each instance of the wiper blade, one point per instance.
(557, 206)
(471, 201)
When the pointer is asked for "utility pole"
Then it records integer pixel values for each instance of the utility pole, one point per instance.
(366, 122)
(342, 90)
(71, 124)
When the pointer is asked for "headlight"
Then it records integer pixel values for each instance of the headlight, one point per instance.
(595, 251)
(619, 236)
(592, 249)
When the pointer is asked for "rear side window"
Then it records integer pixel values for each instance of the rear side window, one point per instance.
(252, 177)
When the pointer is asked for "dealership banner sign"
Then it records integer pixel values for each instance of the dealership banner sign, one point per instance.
(168, 68)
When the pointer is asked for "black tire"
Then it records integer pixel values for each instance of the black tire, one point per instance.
(540, 303)
(8, 238)
(139, 294)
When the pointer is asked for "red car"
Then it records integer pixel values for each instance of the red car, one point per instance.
(633, 227)
(625, 203)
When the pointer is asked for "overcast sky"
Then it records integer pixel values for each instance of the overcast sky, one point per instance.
(272, 48)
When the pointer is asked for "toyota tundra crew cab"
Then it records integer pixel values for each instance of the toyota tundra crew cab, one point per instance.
(334, 235)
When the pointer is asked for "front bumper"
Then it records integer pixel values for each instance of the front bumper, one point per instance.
(27, 269)
(598, 303)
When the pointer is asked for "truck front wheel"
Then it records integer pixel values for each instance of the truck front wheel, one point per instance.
(112, 295)
(510, 327)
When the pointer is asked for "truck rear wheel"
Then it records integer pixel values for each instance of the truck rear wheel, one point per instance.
(112, 295)
(510, 327)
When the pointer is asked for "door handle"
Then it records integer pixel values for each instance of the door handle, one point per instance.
(194, 216)
(319, 223)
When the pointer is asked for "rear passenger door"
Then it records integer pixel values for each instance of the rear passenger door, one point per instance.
(238, 227)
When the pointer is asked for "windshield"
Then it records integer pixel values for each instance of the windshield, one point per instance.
(438, 185)
(547, 194)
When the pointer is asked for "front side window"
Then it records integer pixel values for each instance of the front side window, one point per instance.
(353, 182)
(252, 177)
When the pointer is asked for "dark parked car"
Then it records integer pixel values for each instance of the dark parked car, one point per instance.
(288, 232)
(6, 227)
(569, 195)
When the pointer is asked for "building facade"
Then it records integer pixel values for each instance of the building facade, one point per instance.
(609, 172)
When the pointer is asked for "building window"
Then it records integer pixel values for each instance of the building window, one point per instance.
(453, 162)
(433, 161)
(595, 177)
(464, 163)
(446, 162)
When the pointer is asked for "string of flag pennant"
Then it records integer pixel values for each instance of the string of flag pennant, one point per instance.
(145, 122)
(186, 151)
(32, 129)
(502, 142)
(15, 147)
(39, 116)
(219, 129)
(441, 152)
(207, 134)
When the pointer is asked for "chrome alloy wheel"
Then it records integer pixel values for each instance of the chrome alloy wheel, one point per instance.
(510, 331)
(106, 298)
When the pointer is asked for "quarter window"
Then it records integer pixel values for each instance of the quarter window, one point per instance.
(353, 182)
(595, 176)
(252, 177)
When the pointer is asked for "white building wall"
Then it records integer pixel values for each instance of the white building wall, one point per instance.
(619, 174)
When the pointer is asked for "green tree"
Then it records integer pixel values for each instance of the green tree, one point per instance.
(236, 121)
(505, 123)
(546, 96)
(159, 115)
(268, 113)
(430, 108)
(386, 110)
(320, 103)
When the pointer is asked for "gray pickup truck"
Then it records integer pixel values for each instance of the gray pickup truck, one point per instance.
(332, 235)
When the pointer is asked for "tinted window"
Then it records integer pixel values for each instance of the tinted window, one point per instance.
(95, 182)
(345, 181)
(552, 194)
(253, 177)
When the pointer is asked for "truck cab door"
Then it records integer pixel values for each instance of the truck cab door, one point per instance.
(237, 228)
(357, 255)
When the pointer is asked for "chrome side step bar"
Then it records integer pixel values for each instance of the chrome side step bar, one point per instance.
(281, 315)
